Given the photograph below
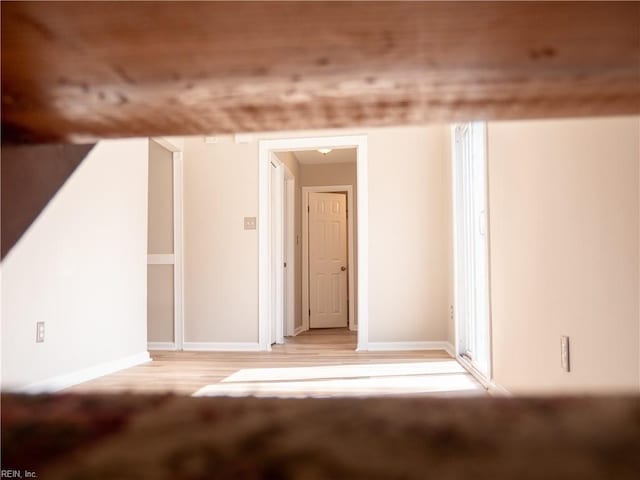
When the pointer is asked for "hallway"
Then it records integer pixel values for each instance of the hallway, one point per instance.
(317, 363)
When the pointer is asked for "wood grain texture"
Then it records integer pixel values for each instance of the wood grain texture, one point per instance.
(81, 71)
(318, 362)
(117, 437)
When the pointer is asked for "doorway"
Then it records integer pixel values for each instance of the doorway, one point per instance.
(328, 258)
(281, 250)
(471, 248)
(272, 318)
(164, 247)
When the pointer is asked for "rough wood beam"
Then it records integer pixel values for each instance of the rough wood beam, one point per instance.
(81, 71)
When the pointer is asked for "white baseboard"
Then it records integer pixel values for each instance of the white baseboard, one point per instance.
(398, 346)
(221, 347)
(161, 346)
(353, 328)
(67, 380)
(497, 390)
(299, 330)
(450, 349)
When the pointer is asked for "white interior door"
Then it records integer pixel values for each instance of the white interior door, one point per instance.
(328, 260)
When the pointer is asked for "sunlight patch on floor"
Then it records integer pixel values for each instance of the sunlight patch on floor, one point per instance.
(418, 378)
(344, 371)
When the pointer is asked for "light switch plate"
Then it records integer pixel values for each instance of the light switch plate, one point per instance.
(40, 332)
(249, 223)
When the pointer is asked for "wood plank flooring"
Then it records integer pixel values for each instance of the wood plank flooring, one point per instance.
(319, 363)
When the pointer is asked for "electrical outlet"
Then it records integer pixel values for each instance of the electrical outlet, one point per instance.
(40, 332)
(564, 354)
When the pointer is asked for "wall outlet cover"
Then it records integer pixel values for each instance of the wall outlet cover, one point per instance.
(40, 332)
(564, 354)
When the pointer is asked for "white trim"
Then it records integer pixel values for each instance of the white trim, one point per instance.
(290, 253)
(362, 180)
(220, 347)
(497, 390)
(178, 242)
(166, 143)
(161, 346)
(353, 321)
(467, 283)
(494, 389)
(264, 253)
(473, 370)
(298, 330)
(265, 148)
(67, 380)
(305, 259)
(457, 290)
(276, 220)
(401, 346)
(450, 349)
(160, 259)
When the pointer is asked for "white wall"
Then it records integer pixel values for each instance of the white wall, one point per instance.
(220, 257)
(80, 268)
(564, 253)
(409, 269)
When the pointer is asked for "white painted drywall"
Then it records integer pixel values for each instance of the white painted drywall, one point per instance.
(409, 271)
(80, 268)
(408, 233)
(220, 257)
(564, 253)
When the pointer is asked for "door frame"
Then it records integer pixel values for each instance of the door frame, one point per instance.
(284, 219)
(305, 250)
(289, 252)
(276, 251)
(265, 149)
(177, 259)
(461, 270)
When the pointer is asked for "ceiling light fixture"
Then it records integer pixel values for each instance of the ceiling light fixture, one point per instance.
(324, 151)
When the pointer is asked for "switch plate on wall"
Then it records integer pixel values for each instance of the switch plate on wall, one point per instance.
(249, 223)
(39, 332)
(564, 354)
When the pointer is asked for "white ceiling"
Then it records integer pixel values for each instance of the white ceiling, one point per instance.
(339, 155)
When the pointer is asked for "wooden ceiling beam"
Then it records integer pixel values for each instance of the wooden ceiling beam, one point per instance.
(81, 71)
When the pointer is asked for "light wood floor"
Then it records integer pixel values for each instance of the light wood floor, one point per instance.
(320, 363)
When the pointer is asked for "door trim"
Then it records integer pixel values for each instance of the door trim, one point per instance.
(290, 252)
(178, 249)
(265, 148)
(305, 250)
(276, 220)
(460, 269)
